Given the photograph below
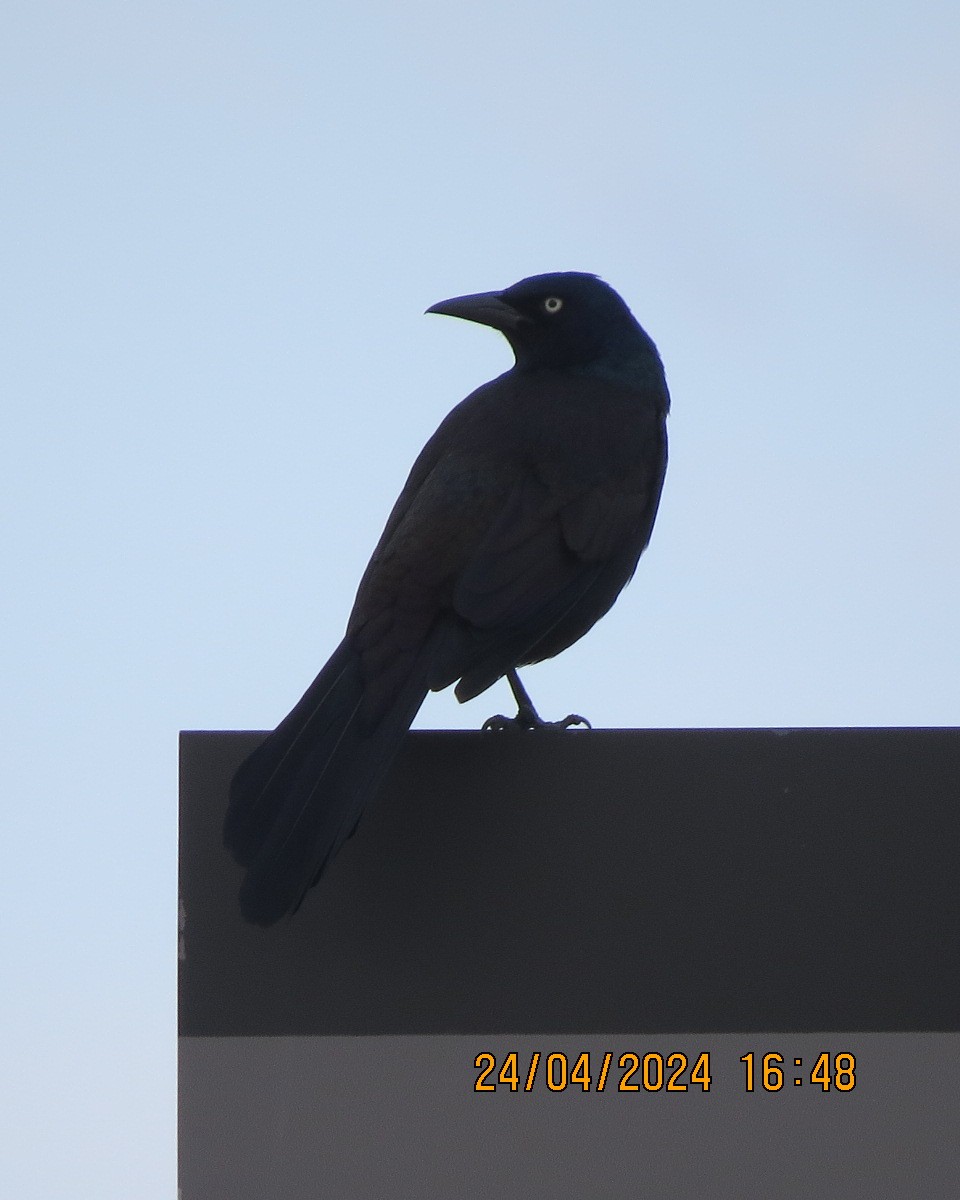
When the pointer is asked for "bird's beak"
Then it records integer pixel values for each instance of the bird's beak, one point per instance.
(486, 308)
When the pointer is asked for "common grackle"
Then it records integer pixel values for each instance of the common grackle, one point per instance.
(522, 519)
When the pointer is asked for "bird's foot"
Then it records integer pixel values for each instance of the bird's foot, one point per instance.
(530, 719)
(527, 716)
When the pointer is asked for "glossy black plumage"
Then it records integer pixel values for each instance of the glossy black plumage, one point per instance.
(522, 519)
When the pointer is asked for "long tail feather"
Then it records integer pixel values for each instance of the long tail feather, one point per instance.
(299, 796)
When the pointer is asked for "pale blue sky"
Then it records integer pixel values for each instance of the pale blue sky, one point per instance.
(221, 225)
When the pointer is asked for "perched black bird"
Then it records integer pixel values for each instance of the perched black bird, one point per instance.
(522, 519)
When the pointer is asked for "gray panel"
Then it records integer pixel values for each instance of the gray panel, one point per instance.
(363, 1118)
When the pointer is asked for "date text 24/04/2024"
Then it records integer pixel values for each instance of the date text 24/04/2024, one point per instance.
(655, 1072)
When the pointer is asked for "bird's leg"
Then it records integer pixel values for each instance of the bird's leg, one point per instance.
(527, 716)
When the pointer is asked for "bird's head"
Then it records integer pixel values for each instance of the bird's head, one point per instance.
(564, 320)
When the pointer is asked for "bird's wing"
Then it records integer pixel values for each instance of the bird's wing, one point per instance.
(552, 533)
(568, 534)
(507, 523)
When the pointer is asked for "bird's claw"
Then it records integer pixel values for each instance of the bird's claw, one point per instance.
(527, 716)
(531, 720)
(571, 719)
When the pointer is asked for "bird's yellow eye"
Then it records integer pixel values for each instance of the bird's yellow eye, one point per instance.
(552, 304)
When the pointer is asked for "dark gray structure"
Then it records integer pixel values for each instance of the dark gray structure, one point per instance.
(574, 897)
(568, 882)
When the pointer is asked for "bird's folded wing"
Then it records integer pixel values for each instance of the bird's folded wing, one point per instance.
(542, 542)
